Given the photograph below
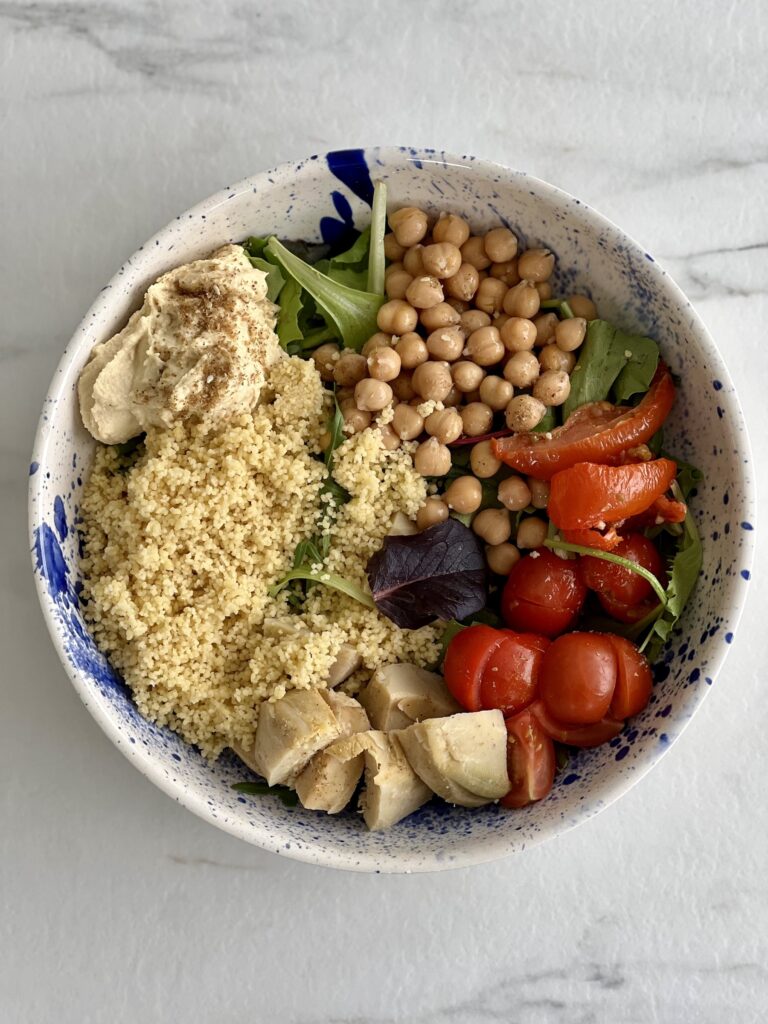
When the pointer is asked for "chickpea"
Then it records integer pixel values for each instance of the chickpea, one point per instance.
(396, 317)
(485, 347)
(464, 283)
(412, 261)
(531, 533)
(464, 495)
(502, 558)
(372, 395)
(473, 319)
(522, 300)
(389, 439)
(521, 369)
(552, 387)
(412, 350)
(393, 267)
(539, 492)
(500, 245)
(407, 422)
(409, 225)
(324, 358)
(441, 259)
(514, 493)
(444, 424)
(544, 288)
(493, 525)
(506, 272)
(536, 265)
(397, 284)
(471, 396)
(432, 512)
(582, 306)
(355, 420)
(496, 392)
(553, 358)
(384, 364)
(545, 328)
(458, 304)
(392, 248)
(441, 315)
(402, 386)
(453, 398)
(490, 295)
(432, 380)
(518, 334)
(377, 340)
(350, 368)
(424, 292)
(345, 394)
(446, 343)
(466, 375)
(482, 460)
(451, 228)
(570, 334)
(473, 251)
(499, 319)
(524, 412)
(432, 458)
(477, 418)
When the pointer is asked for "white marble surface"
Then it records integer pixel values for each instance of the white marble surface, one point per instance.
(116, 904)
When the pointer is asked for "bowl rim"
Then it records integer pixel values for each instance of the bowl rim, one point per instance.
(493, 847)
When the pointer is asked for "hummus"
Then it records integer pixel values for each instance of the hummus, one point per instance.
(196, 350)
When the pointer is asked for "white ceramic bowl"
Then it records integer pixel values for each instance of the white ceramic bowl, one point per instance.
(320, 198)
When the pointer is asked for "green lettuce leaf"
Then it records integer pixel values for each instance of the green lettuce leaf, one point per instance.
(611, 359)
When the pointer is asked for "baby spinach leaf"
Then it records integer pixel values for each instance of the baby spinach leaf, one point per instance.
(437, 574)
(606, 352)
(549, 421)
(352, 311)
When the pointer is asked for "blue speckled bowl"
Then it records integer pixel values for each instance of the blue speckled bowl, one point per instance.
(325, 197)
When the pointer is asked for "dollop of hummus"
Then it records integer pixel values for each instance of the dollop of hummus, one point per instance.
(196, 350)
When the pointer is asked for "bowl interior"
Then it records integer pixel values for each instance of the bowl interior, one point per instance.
(323, 198)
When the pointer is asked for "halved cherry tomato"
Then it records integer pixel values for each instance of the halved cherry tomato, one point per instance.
(487, 668)
(597, 432)
(575, 735)
(511, 675)
(465, 660)
(624, 594)
(543, 594)
(578, 677)
(634, 681)
(530, 761)
(590, 495)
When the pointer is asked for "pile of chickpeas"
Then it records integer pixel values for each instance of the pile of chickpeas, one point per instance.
(463, 349)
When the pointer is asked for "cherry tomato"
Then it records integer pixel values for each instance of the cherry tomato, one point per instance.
(465, 660)
(487, 668)
(575, 735)
(597, 432)
(530, 761)
(589, 495)
(511, 674)
(624, 594)
(634, 681)
(578, 677)
(543, 594)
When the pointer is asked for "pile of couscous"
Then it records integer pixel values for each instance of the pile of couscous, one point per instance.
(181, 548)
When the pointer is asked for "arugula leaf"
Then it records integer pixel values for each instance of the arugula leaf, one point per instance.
(376, 260)
(560, 306)
(288, 329)
(287, 796)
(335, 428)
(351, 267)
(352, 311)
(688, 476)
(683, 573)
(605, 354)
(328, 579)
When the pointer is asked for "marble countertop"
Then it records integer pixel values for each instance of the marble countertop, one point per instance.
(117, 905)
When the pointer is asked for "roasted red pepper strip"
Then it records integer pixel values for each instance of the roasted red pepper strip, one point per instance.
(590, 496)
(597, 432)
(663, 510)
